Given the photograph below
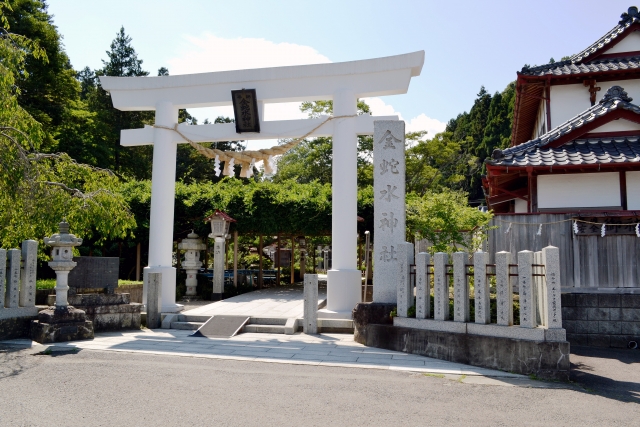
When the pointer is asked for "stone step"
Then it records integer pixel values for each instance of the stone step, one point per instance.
(189, 326)
(193, 318)
(333, 325)
(268, 321)
(264, 329)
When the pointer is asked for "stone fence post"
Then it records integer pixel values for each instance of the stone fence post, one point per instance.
(481, 287)
(30, 263)
(551, 260)
(3, 276)
(440, 286)
(423, 288)
(310, 324)
(460, 287)
(13, 279)
(528, 300)
(504, 289)
(154, 295)
(405, 288)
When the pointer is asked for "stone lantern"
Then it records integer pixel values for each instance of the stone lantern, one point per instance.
(62, 322)
(62, 260)
(220, 223)
(192, 246)
(302, 244)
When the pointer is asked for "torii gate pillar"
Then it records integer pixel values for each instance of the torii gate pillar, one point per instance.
(344, 279)
(163, 189)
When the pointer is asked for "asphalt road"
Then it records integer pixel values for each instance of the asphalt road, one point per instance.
(93, 388)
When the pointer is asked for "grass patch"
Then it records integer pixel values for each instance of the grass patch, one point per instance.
(462, 377)
(51, 283)
(434, 375)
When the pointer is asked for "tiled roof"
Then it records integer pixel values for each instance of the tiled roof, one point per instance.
(578, 152)
(575, 65)
(615, 99)
(570, 68)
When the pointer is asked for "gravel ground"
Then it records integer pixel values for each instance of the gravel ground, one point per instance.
(94, 388)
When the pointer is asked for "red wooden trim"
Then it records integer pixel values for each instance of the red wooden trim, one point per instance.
(621, 133)
(623, 190)
(579, 213)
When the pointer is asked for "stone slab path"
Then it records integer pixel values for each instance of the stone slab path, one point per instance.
(286, 302)
(338, 350)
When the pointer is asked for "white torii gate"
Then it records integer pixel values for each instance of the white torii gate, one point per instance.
(342, 82)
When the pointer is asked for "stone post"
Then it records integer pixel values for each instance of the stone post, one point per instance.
(30, 260)
(192, 246)
(389, 207)
(551, 260)
(405, 288)
(423, 291)
(540, 290)
(218, 269)
(504, 289)
(3, 276)
(310, 325)
(527, 294)
(13, 279)
(460, 287)
(440, 287)
(481, 287)
(154, 296)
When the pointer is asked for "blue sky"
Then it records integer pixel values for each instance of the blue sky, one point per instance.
(467, 43)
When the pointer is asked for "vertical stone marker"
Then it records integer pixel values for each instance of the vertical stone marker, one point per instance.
(481, 287)
(13, 279)
(154, 294)
(310, 325)
(551, 260)
(504, 289)
(423, 291)
(30, 260)
(528, 300)
(3, 276)
(440, 286)
(405, 286)
(388, 206)
(460, 287)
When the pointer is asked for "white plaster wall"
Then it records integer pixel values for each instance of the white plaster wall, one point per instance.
(579, 190)
(630, 43)
(617, 125)
(521, 206)
(567, 101)
(633, 190)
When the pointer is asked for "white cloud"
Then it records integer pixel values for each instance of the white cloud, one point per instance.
(422, 122)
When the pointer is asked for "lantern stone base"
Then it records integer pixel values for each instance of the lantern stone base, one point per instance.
(107, 312)
(61, 324)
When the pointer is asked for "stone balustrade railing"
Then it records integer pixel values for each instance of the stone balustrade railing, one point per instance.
(536, 274)
(18, 281)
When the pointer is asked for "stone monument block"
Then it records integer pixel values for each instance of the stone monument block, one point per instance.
(504, 289)
(423, 288)
(94, 273)
(528, 297)
(310, 325)
(460, 287)
(13, 279)
(481, 287)
(3, 276)
(440, 286)
(405, 285)
(389, 207)
(30, 263)
(154, 294)
(218, 269)
(551, 260)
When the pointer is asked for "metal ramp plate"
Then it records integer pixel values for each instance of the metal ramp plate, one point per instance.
(221, 327)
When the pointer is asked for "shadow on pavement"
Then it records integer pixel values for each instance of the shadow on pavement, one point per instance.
(607, 372)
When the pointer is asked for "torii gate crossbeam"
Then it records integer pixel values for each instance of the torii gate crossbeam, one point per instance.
(342, 82)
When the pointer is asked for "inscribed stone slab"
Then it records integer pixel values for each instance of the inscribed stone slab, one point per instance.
(405, 287)
(460, 287)
(440, 286)
(30, 260)
(154, 294)
(13, 279)
(423, 291)
(504, 289)
(389, 206)
(310, 325)
(481, 288)
(525, 285)
(3, 276)
(551, 260)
